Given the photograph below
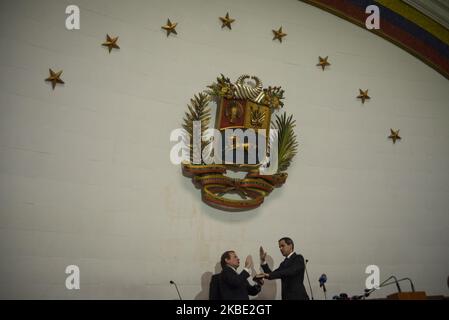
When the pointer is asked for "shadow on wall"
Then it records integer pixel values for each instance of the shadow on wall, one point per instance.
(268, 290)
(205, 282)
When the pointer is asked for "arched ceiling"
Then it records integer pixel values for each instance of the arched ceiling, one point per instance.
(438, 10)
(417, 26)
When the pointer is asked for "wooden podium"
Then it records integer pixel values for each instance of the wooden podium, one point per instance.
(418, 295)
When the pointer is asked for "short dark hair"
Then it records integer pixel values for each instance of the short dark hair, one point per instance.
(224, 256)
(288, 241)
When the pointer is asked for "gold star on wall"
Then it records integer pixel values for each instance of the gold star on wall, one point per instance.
(226, 21)
(111, 43)
(363, 95)
(170, 27)
(323, 62)
(54, 78)
(278, 34)
(394, 135)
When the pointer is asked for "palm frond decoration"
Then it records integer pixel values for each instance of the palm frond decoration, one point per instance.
(287, 144)
(198, 111)
(257, 118)
(222, 88)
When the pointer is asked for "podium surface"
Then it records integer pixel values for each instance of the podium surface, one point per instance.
(418, 295)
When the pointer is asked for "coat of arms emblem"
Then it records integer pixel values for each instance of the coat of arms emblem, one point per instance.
(249, 138)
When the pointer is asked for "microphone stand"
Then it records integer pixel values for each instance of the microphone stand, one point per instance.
(397, 283)
(308, 280)
(172, 282)
(412, 287)
(324, 290)
(411, 283)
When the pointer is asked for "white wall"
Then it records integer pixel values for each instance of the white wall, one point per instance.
(85, 176)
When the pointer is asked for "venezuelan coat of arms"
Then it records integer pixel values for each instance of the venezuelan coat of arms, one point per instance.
(251, 137)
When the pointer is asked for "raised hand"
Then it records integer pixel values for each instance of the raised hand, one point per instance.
(263, 255)
(248, 262)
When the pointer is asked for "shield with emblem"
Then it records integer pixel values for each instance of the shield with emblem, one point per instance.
(242, 123)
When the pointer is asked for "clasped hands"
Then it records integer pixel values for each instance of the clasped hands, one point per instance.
(259, 278)
(249, 265)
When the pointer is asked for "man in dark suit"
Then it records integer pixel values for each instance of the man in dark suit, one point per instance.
(290, 271)
(231, 284)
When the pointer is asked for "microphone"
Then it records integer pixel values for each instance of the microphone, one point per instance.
(308, 279)
(411, 283)
(322, 281)
(172, 282)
